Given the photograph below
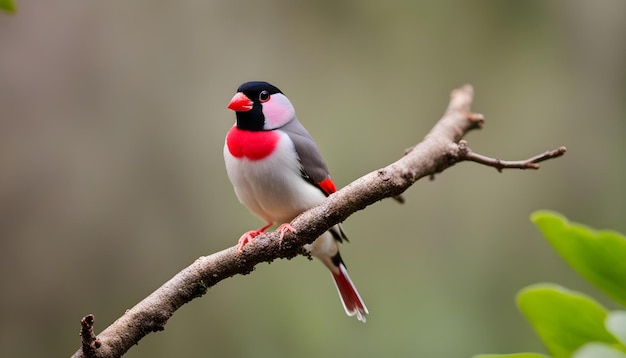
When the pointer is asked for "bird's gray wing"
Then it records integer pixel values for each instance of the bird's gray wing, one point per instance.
(314, 168)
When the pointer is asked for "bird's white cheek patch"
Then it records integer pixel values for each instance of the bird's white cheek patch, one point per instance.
(278, 111)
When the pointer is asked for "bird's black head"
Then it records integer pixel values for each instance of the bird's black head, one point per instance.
(260, 106)
(254, 88)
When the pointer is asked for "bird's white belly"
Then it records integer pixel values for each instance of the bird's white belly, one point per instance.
(273, 188)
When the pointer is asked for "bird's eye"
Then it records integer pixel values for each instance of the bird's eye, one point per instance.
(264, 96)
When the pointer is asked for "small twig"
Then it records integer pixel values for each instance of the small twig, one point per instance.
(399, 198)
(465, 153)
(89, 339)
(477, 118)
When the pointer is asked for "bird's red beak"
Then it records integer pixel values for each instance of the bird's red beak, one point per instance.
(240, 103)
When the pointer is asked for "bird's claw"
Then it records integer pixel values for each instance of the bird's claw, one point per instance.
(247, 238)
(284, 229)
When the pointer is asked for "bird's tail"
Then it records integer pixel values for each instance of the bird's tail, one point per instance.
(350, 298)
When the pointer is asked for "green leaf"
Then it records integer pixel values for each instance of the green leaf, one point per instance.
(7, 5)
(598, 350)
(564, 320)
(598, 256)
(512, 355)
(616, 324)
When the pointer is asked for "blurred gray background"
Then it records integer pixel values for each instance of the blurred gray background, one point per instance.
(112, 119)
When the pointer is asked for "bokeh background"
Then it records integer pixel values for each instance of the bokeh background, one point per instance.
(112, 119)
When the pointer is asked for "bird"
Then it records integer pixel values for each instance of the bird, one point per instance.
(278, 172)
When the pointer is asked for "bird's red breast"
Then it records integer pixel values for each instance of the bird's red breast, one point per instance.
(253, 145)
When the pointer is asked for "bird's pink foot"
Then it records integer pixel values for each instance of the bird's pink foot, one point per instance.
(248, 236)
(284, 229)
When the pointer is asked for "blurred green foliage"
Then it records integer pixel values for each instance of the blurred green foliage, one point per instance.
(597, 256)
(7, 5)
(569, 323)
(112, 124)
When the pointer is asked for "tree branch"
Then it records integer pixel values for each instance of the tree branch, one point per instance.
(440, 149)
